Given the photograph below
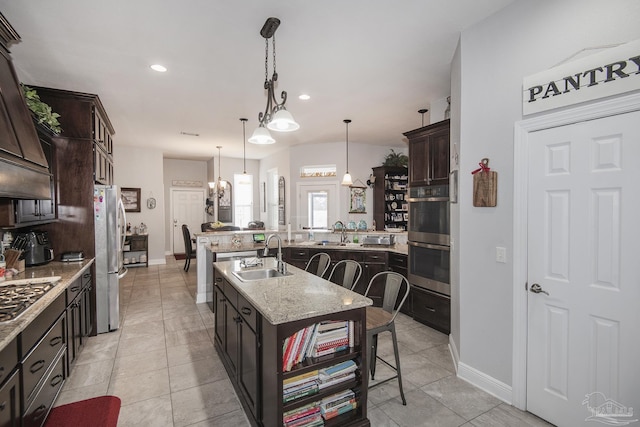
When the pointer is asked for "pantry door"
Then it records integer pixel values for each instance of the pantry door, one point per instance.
(583, 340)
(187, 207)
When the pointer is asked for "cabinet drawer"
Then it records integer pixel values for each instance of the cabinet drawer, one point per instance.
(37, 412)
(8, 360)
(380, 257)
(37, 363)
(299, 254)
(86, 279)
(32, 333)
(431, 308)
(397, 261)
(73, 290)
(230, 293)
(248, 312)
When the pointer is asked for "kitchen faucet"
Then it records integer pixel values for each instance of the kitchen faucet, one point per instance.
(343, 231)
(282, 267)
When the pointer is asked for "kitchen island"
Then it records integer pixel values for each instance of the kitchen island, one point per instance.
(253, 318)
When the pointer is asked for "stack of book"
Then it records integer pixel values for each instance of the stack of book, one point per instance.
(337, 374)
(337, 404)
(316, 340)
(299, 386)
(305, 416)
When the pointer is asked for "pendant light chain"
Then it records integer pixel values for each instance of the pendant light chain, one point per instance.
(347, 122)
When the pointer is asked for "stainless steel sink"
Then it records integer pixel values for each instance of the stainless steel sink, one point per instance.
(260, 274)
(330, 244)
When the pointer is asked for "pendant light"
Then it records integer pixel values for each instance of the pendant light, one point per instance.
(221, 185)
(275, 116)
(244, 179)
(346, 179)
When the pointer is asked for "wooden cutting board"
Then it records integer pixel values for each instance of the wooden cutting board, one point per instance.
(485, 189)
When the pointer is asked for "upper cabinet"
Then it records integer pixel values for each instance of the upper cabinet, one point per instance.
(429, 154)
(82, 117)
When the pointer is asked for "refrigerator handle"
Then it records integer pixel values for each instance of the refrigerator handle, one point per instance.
(123, 224)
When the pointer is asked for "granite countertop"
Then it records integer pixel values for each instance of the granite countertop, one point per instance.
(399, 248)
(286, 299)
(68, 272)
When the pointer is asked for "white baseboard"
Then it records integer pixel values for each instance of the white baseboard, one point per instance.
(455, 356)
(484, 382)
(157, 261)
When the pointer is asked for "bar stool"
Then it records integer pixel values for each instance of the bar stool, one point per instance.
(346, 273)
(381, 319)
(318, 264)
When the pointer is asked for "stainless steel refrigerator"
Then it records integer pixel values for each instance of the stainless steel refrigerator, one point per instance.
(110, 222)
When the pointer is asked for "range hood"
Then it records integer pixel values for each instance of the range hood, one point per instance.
(24, 172)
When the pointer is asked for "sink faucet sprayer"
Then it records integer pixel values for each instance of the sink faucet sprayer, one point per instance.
(343, 231)
(282, 267)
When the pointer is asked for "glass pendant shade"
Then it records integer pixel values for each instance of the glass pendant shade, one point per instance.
(283, 122)
(261, 136)
(346, 179)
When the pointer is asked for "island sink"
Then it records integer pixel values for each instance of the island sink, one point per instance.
(261, 274)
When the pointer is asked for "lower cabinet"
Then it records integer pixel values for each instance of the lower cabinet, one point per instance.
(79, 317)
(432, 309)
(10, 398)
(36, 413)
(398, 264)
(236, 335)
(251, 351)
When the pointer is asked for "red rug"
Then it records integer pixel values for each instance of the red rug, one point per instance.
(179, 257)
(100, 411)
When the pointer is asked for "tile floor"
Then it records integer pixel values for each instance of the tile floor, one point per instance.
(162, 364)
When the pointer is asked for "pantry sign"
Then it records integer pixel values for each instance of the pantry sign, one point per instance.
(610, 72)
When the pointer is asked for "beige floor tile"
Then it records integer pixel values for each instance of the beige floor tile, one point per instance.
(461, 397)
(188, 353)
(140, 362)
(90, 374)
(136, 388)
(154, 412)
(68, 395)
(505, 415)
(184, 323)
(196, 373)
(203, 402)
(421, 410)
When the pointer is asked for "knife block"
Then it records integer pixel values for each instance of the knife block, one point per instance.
(11, 257)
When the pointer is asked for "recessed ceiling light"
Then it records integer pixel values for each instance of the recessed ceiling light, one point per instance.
(304, 97)
(159, 68)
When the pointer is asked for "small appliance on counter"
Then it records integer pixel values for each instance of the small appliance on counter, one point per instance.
(72, 256)
(35, 246)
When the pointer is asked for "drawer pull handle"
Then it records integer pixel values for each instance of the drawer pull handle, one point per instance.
(433, 310)
(75, 288)
(56, 380)
(222, 299)
(3, 405)
(245, 310)
(218, 279)
(55, 341)
(39, 412)
(37, 366)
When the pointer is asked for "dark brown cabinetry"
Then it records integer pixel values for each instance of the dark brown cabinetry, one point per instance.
(10, 396)
(237, 337)
(431, 308)
(429, 154)
(251, 351)
(82, 117)
(389, 197)
(398, 264)
(79, 317)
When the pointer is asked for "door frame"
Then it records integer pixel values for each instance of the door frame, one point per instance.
(334, 205)
(170, 224)
(597, 110)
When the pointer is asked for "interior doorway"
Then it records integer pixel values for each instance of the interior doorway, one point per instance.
(576, 280)
(187, 207)
(317, 204)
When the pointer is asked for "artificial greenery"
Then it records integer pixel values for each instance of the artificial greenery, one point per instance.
(395, 159)
(42, 111)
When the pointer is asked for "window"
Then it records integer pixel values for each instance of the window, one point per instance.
(243, 199)
(318, 209)
(317, 171)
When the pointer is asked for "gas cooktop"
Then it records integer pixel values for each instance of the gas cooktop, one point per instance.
(17, 295)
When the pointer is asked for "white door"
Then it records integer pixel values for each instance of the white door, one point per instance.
(583, 252)
(187, 208)
(317, 204)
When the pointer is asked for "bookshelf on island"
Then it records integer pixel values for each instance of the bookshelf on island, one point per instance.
(293, 347)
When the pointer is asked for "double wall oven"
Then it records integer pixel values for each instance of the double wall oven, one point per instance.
(428, 238)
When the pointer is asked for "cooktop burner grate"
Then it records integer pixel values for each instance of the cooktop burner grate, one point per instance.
(16, 297)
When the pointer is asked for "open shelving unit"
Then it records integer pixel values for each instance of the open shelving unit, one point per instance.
(390, 205)
(136, 248)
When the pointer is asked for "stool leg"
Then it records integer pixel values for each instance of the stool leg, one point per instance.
(397, 354)
(373, 356)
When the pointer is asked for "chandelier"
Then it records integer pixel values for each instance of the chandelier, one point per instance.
(275, 115)
(221, 185)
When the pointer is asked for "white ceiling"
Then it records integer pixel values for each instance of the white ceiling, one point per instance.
(376, 62)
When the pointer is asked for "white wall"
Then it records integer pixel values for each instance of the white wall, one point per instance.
(142, 168)
(362, 158)
(496, 54)
(279, 161)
